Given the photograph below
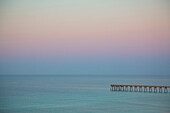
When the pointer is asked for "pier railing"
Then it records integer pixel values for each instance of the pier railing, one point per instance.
(139, 88)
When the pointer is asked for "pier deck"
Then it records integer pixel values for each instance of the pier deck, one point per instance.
(139, 88)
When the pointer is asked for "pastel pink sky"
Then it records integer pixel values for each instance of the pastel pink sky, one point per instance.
(85, 28)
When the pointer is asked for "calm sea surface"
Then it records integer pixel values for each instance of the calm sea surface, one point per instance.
(79, 94)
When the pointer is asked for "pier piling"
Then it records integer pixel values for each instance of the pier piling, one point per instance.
(139, 88)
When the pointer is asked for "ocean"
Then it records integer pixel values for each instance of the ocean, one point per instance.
(80, 94)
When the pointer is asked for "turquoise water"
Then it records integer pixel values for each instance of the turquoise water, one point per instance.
(79, 94)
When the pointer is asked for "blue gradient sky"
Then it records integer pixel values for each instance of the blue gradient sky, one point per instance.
(120, 37)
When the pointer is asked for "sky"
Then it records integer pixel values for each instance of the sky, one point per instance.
(115, 37)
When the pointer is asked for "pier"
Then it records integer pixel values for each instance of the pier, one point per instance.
(140, 88)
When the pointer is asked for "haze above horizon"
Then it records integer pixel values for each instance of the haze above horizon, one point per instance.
(85, 37)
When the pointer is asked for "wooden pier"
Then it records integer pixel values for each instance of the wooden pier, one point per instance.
(139, 88)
